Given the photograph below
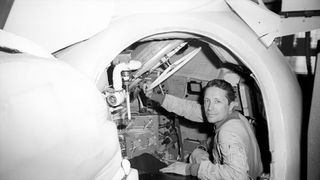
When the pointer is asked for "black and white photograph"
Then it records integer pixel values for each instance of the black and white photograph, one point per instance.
(159, 89)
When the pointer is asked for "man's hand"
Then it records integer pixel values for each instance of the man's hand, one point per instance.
(176, 168)
(148, 93)
(198, 155)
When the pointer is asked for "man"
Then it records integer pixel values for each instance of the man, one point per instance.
(236, 153)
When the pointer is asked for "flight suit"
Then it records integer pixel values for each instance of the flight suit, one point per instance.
(236, 154)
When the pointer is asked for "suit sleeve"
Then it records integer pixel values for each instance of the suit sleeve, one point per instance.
(188, 109)
(233, 163)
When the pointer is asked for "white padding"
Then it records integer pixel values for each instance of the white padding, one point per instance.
(53, 123)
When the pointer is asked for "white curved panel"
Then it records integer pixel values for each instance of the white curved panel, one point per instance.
(280, 90)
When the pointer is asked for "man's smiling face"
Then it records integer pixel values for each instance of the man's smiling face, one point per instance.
(216, 105)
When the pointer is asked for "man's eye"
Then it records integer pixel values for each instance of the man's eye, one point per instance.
(206, 101)
(217, 101)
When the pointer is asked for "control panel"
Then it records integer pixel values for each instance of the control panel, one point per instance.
(140, 136)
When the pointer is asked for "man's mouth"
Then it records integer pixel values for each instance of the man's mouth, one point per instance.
(210, 114)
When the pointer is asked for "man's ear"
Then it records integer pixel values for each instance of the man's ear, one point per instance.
(232, 105)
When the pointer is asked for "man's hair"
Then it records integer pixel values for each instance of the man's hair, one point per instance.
(222, 84)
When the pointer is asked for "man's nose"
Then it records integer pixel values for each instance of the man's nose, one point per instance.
(210, 106)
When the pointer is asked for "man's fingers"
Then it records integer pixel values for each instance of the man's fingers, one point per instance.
(176, 168)
(165, 170)
(148, 93)
(168, 169)
(173, 168)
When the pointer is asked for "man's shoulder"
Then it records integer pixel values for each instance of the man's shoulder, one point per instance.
(235, 127)
(233, 131)
(236, 120)
(232, 124)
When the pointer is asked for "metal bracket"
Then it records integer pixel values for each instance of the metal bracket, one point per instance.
(269, 25)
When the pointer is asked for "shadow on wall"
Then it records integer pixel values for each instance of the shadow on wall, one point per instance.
(306, 84)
